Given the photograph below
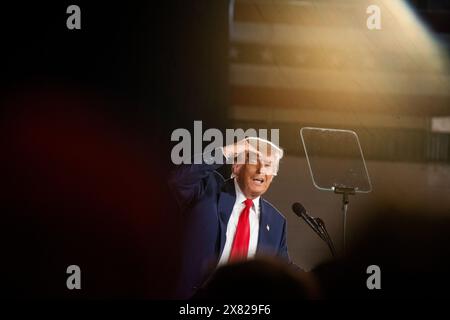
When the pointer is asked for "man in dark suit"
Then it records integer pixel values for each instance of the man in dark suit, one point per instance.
(227, 220)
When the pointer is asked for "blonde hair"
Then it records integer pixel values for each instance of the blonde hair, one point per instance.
(265, 145)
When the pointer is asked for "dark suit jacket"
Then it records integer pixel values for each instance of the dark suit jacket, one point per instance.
(206, 200)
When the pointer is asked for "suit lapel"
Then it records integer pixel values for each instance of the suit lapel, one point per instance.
(227, 198)
(264, 228)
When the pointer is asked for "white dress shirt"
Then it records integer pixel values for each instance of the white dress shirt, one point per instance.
(232, 225)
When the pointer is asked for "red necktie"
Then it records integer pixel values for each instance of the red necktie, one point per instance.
(242, 236)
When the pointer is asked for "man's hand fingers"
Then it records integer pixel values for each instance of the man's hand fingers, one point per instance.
(253, 149)
(241, 149)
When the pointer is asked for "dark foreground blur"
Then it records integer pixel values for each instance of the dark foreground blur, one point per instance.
(411, 251)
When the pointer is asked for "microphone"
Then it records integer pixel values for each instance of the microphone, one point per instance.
(300, 211)
(328, 240)
(316, 224)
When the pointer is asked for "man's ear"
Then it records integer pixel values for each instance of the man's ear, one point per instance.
(236, 168)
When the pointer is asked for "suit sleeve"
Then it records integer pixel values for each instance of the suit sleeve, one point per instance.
(189, 181)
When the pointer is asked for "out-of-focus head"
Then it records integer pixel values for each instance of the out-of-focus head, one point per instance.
(254, 170)
(262, 278)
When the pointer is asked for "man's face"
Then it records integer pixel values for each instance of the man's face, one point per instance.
(255, 178)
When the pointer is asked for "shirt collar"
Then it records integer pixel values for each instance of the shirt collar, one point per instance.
(240, 197)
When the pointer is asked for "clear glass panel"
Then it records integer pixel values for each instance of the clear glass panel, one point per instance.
(335, 159)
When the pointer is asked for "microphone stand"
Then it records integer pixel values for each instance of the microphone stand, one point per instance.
(345, 191)
(326, 237)
(316, 224)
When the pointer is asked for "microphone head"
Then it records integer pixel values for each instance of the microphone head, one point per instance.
(298, 209)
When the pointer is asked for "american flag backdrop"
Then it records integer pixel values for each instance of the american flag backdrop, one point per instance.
(297, 63)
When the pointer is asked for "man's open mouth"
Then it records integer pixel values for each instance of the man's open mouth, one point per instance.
(258, 180)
